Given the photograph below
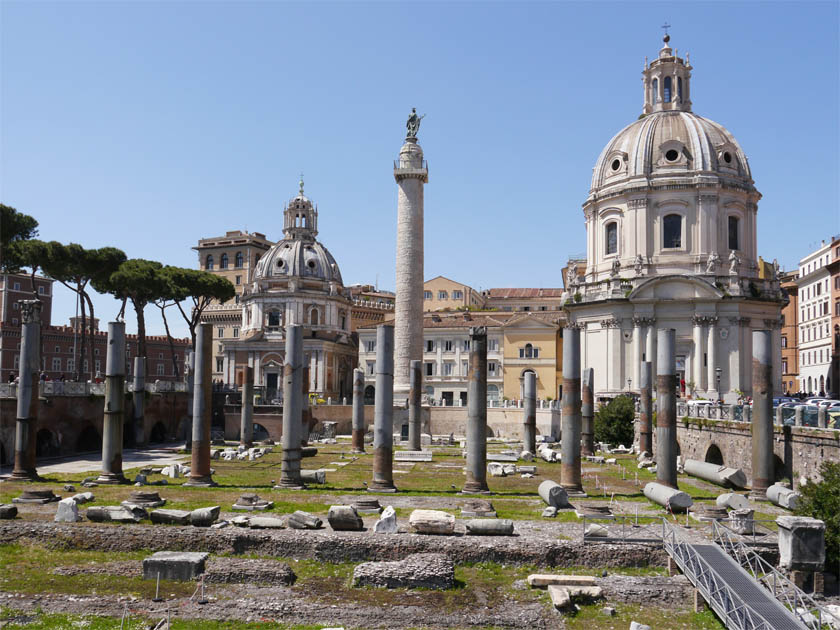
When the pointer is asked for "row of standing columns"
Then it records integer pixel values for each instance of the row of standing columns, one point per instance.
(576, 422)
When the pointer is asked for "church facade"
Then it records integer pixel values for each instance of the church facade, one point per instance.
(671, 243)
(297, 281)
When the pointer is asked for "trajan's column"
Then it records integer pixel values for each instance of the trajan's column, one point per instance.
(411, 173)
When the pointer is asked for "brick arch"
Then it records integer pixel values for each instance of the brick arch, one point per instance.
(713, 455)
(88, 439)
(158, 433)
(46, 443)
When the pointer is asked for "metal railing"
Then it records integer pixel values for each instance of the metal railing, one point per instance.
(800, 603)
(727, 604)
(622, 529)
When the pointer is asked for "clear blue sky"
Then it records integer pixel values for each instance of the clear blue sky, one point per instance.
(149, 125)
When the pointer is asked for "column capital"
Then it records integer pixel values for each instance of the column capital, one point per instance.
(610, 323)
(30, 311)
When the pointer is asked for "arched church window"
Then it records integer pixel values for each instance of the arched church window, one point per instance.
(666, 89)
(313, 317)
(208, 262)
(274, 318)
(656, 90)
(733, 233)
(239, 260)
(612, 237)
(679, 89)
(223, 261)
(672, 231)
(529, 352)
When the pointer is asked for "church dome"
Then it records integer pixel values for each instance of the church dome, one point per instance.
(299, 255)
(668, 144)
(297, 258)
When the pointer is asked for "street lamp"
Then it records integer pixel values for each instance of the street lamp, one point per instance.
(717, 380)
(628, 384)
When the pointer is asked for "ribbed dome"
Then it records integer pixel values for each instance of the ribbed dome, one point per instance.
(671, 144)
(291, 258)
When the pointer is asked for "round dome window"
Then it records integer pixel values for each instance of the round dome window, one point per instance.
(280, 263)
(616, 164)
(311, 264)
(671, 155)
(727, 157)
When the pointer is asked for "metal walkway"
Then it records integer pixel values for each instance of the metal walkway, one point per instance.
(737, 598)
(755, 596)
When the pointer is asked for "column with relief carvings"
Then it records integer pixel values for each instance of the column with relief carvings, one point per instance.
(711, 372)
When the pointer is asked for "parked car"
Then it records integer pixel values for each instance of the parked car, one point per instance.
(809, 415)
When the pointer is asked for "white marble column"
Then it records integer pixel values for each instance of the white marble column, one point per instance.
(712, 355)
(637, 353)
(746, 340)
(697, 356)
(650, 344)
(735, 357)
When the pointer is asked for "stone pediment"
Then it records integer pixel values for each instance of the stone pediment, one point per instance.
(675, 287)
(527, 320)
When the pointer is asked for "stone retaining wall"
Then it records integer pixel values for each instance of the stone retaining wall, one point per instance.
(329, 546)
(501, 422)
(798, 451)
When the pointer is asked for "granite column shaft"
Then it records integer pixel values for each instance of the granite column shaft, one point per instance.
(762, 418)
(383, 429)
(587, 412)
(529, 415)
(666, 404)
(112, 425)
(202, 408)
(646, 408)
(138, 402)
(293, 377)
(246, 420)
(358, 426)
(476, 480)
(570, 420)
(27, 393)
(414, 409)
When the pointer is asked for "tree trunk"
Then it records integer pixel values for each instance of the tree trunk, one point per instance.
(81, 329)
(171, 342)
(92, 334)
(141, 329)
(191, 322)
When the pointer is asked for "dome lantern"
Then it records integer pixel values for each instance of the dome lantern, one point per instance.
(300, 217)
(667, 82)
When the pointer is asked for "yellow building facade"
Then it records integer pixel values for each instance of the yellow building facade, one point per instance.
(533, 342)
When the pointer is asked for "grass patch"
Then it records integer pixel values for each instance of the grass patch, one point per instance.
(591, 618)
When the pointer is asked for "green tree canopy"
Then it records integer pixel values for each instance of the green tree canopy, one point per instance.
(76, 268)
(14, 228)
(139, 280)
(614, 421)
(201, 287)
(822, 500)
